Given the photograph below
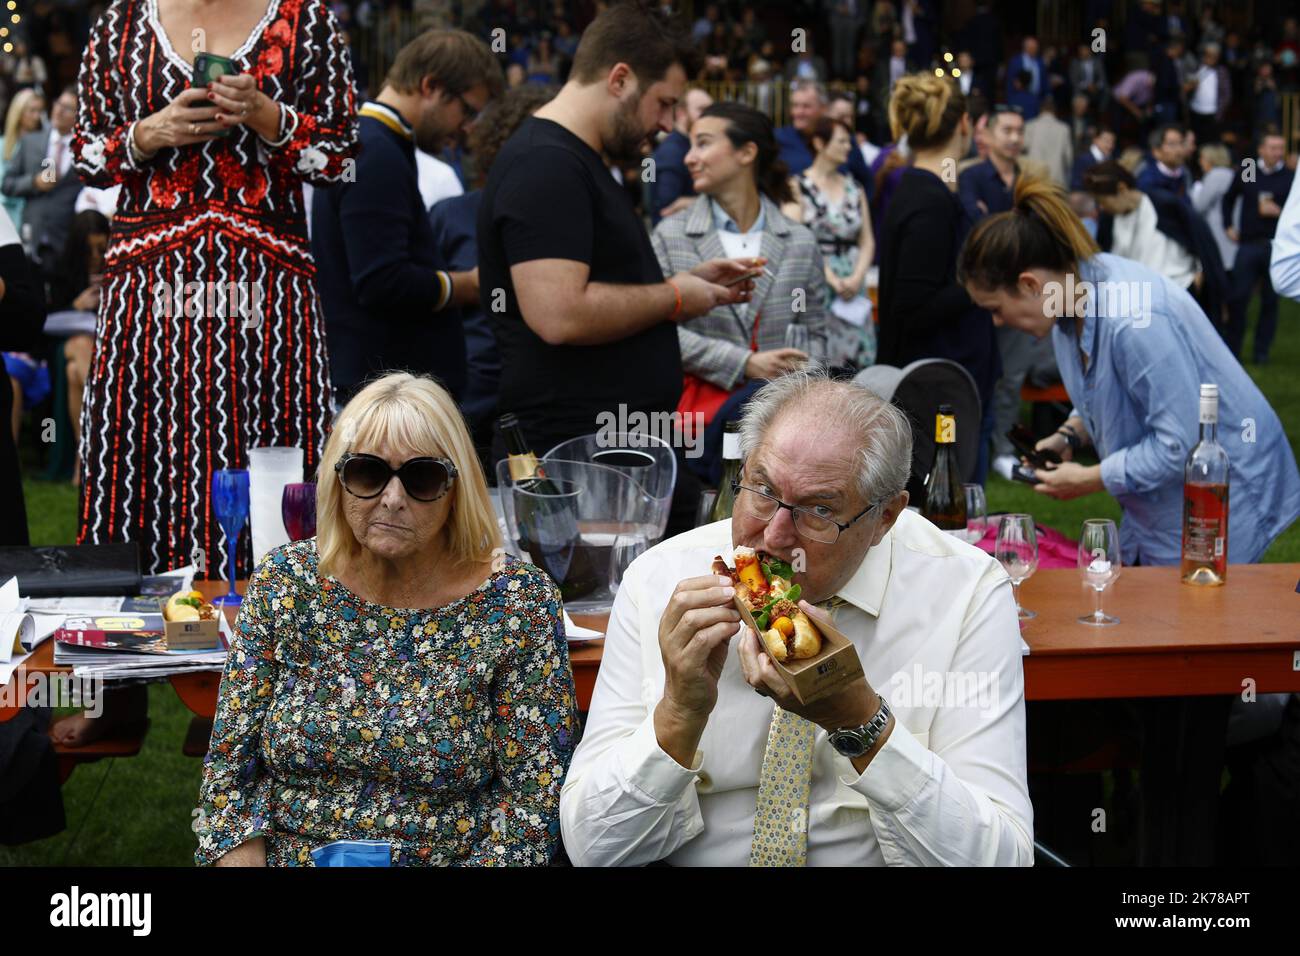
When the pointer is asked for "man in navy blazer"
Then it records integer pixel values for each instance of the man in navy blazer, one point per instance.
(1101, 149)
(1027, 66)
(1167, 167)
(384, 291)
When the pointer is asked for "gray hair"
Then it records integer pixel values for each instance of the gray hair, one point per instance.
(884, 433)
(798, 86)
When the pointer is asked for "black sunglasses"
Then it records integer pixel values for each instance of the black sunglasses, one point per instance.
(366, 476)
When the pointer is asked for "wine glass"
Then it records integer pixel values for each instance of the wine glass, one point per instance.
(1017, 550)
(1099, 563)
(627, 548)
(796, 337)
(977, 513)
(230, 505)
(298, 508)
(704, 511)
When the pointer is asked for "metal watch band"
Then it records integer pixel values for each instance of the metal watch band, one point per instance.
(856, 741)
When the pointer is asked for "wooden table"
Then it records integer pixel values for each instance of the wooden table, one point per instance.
(1172, 640)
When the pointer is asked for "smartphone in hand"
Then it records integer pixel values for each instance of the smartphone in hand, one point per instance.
(207, 67)
(1023, 440)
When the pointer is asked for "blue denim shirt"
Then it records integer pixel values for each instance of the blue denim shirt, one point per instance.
(1139, 400)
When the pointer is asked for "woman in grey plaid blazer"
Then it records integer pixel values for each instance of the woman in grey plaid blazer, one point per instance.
(741, 182)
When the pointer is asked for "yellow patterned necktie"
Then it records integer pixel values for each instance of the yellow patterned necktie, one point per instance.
(781, 816)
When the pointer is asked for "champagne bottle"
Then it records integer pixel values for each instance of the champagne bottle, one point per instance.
(524, 466)
(945, 499)
(546, 515)
(1205, 501)
(726, 500)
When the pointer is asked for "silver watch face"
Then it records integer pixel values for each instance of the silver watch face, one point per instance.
(848, 743)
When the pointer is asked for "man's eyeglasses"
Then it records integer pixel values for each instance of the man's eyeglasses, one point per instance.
(366, 476)
(810, 524)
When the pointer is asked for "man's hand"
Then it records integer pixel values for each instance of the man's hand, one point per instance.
(1269, 209)
(699, 296)
(723, 271)
(694, 633)
(852, 705)
(774, 363)
(44, 181)
(1232, 234)
(1068, 480)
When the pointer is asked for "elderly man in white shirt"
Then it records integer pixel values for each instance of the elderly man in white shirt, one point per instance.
(696, 753)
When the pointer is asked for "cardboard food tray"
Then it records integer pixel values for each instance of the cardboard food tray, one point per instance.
(192, 635)
(814, 677)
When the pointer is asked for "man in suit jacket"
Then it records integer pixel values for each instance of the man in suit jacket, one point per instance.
(1047, 140)
(41, 172)
(1027, 65)
(1101, 149)
(1088, 77)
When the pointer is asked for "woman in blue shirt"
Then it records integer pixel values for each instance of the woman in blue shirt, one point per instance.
(1133, 350)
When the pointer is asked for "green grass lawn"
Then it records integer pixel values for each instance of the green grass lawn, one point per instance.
(138, 811)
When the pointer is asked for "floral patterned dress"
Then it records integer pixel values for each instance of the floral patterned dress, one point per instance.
(209, 338)
(445, 732)
(837, 227)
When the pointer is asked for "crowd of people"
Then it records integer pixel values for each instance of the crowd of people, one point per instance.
(478, 237)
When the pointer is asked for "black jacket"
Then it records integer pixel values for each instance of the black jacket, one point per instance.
(1177, 219)
(924, 312)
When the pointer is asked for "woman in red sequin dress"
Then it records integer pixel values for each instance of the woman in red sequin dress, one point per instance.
(210, 338)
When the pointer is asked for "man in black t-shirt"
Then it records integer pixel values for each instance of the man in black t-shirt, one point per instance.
(567, 275)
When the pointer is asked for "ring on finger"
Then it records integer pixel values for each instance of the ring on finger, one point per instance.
(194, 129)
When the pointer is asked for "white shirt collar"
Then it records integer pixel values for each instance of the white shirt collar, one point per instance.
(866, 589)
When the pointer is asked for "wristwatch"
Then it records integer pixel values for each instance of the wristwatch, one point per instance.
(855, 741)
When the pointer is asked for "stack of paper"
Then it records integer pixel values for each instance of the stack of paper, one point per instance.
(17, 630)
(132, 655)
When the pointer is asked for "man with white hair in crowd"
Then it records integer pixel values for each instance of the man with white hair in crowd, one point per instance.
(695, 750)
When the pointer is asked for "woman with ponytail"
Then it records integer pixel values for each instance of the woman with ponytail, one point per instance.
(1134, 350)
(924, 311)
(741, 184)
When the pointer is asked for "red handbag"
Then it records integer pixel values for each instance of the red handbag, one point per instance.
(701, 395)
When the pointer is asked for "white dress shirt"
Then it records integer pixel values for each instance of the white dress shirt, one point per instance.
(1284, 268)
(438, 181)
(1205, 98)
(929, 616)
(1136, 237)
(62, 146)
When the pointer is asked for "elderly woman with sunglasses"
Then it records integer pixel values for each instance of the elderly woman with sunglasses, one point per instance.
(395, 679)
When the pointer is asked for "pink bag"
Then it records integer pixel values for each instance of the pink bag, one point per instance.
(1055, 550)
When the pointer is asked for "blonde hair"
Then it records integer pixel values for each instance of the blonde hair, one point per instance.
(1131, 159)
(927, 108)
(14, 119)
(1217, 154)
(417, 415)
(1040, 231)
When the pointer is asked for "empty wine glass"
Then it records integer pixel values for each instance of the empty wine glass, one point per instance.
(1099, 563)
(298, 508)
(1017, 550)
(977, 513)
(230, 505)
(627, 548)
(796, 337)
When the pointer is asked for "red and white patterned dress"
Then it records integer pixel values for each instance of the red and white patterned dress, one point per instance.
(181, 385)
